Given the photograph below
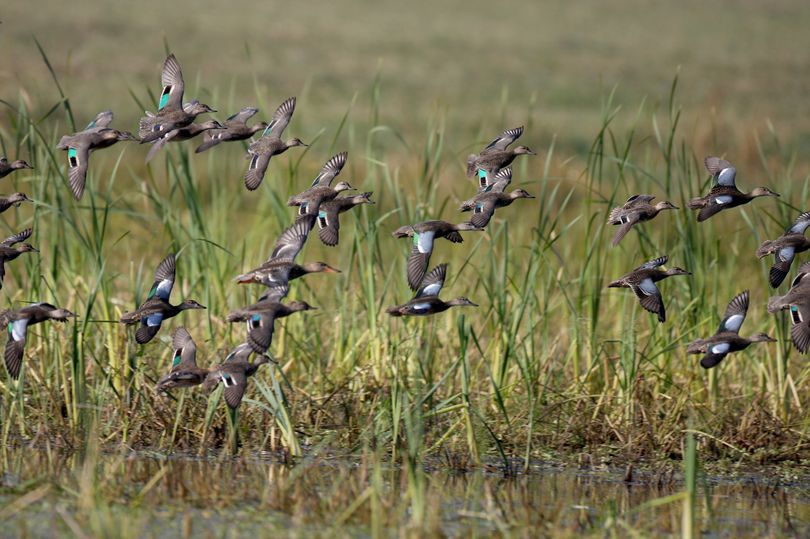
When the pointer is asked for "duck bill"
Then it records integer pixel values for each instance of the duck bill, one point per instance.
(330, 269)
(615, 284)
(244, 279)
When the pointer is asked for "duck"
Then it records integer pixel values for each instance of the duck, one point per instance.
(329, 216)
(8, 252)
(426, 301)
(727, 339)
(184, 133)
(97, 135)
(785, 248)
(496, 155)
(724, 193)
(14, 199)
(423, 235)
(321, 189)
(498, 182)
(642, 282)
(17, 323)
(637, 209)
(7, 167)
(184, 372)
(270, 144)
(233, 129)
(233, 374)
(156, 309)
(483, 204)
(171, 113)
(797, 301)
(261, 317)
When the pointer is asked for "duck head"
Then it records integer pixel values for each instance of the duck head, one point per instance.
(677, 271)
(61, 314)
(199, 108)
(761, 337)
(19, 163)
(211, 124)
(301, 306)
(467, 226)
(319, 267)
(462, 302)
(18, 198)
(523, 150)
(261, 126)
(27, 248)
(520, 193)
(191, 304)
(666, 205)
(343, 186)
(293, 142)
(763, 192)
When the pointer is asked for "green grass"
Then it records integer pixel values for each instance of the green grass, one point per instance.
(550, 366)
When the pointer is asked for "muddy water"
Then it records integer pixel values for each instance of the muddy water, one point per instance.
(146, 494)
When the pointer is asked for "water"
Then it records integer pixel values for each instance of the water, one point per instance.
(147, 494)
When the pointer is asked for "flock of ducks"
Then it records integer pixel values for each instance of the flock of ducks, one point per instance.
(321, 205)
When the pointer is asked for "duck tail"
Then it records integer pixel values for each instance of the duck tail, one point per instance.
(696, 347)
(130, 318)
(615, 284)
(776, 304)
(696, 203)
(393, 311)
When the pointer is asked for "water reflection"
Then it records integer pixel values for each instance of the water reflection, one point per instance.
(145, 494)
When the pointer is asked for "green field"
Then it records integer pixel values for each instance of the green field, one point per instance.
(616, 100)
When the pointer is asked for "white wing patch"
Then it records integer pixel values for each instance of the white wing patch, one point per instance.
(786, 254)
(720, 348)
(420, 306)
(432, 289)
(648, 287)
(18, 329)
(164, 289)
(424, 242)
(726, 176)
(734, 322)
(154, 319)
(723, 199)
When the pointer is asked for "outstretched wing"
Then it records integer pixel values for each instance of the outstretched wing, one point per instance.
(723, 172)
(292, 240)
(18, 237)
(164, 279)
(655, 262)
(482, 213)
(505, 139)
(256, 169)
(15, 346)
(735, 313)
(171, 98)
(650, 298)
(281, 118)
(185, 349)
(78, 154)
(433, 282)
(242, 116)
(329, 224)
(715, 353)
(102, 119)
(330, 170)
(497, 183)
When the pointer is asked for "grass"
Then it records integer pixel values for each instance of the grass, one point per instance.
(550, 366)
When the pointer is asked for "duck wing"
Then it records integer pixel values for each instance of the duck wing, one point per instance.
(433, 282)
(650, 297)
(240, 118)
(505, 139)
(185, 349)
(102, 119)
(496, 183)
(234, 382)
(735, 314)
(292, 240)
(420, 257)
(627, 220)
(281, 118)
(164, 279)
(150, 325)
(78, 155)
(256, 170)
(17, 238)
(715, 353)
(718, 199)
(722, 171)
(482, 213)
(330, 170)
(260, 331)
(171, 98)
(15, 346)
(654, 263)
(329, 224)
(781, 267)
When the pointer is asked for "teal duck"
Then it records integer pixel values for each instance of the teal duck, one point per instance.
(233, 374)
(97, 135)
(184, 133)
(785, 248)
(496, 156)
(233, 129)
(270, 144)
(484, 204)
(637, 209)
(9, 252)
(321, 190)
(329, 216)
(642, 282)
(724, 193)
(261, 317)
(171, 113)
(423, 235)
(17, 323)
(426, 301)
(797, 300)
(185, 372)
(13, 200)
(7, 167)
(156, 309)
(727, 339)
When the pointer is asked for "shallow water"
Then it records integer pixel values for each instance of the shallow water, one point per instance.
(147, 494)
